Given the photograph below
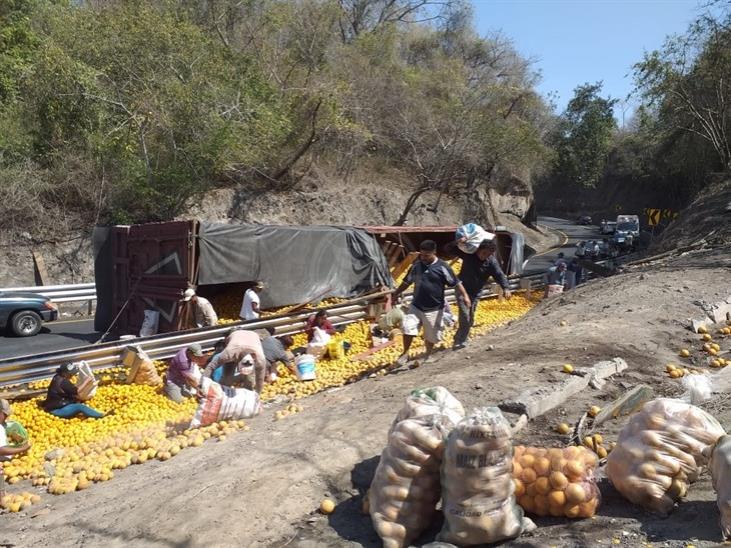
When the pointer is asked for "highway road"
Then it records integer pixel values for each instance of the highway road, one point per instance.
(62, 335)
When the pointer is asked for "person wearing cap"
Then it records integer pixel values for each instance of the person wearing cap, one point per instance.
(203, 313)
(244, 356)
(250, 309)
(62, 399)
(180, 369)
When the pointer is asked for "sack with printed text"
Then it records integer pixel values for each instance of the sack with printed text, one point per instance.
(218, 403)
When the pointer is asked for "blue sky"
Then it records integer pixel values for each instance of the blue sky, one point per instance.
(577, 41)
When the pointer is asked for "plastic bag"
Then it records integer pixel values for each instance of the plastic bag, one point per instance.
(698, 388)
(475, 234)
(150, 323)
(424, 402)
(660, 452)
(335, 349)
(220, 403)
(720, 467)
(405, 488)
(84, 374)
(320, 336)
(16, 433)
(557, 481)
(479, 505)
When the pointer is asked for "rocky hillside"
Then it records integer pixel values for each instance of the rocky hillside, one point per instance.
(365, 198)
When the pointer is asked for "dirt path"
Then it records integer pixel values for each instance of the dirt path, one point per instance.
(262, 487)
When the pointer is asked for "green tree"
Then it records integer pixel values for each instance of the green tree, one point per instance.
(584, 136)
(688, 82)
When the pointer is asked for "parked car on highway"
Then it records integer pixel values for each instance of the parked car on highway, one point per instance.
(23, 313)
(584, 220)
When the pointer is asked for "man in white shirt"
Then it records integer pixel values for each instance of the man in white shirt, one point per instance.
(203, 313)
(250, 309)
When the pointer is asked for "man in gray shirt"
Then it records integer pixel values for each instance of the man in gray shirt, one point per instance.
(276, 350)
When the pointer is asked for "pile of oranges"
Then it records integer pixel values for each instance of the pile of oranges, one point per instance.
(147, 425)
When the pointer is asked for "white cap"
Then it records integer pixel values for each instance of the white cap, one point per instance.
(188, 295)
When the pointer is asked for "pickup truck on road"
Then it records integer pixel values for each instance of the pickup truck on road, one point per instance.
(23, 313)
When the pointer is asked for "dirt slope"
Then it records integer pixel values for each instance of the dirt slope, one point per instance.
(260, 488)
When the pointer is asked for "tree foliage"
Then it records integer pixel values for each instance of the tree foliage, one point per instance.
(585, 136)
(125, 111)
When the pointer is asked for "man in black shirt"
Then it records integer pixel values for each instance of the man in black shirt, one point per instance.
(476, 269)
(430, 276)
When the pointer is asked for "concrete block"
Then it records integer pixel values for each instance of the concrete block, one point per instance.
(720, 312)
(537, 401)
(626, 404)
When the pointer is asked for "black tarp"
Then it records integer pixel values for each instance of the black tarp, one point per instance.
(297, 263)
(103, 277)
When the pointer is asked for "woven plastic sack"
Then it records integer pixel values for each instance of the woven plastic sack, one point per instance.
(478, 501)
(218, 403)
(475, 234)
(437, 400)
(557, 481)
(720, 467)
(405, 488)
(660, 452)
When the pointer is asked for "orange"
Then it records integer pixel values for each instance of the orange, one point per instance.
(519, 488)
(575, 493)
(543, 486)
(556, 498)
(558, 480)
(542, 466)
(528, 475)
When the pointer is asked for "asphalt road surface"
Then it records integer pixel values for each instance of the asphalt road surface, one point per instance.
(571, 234)
(62, 335)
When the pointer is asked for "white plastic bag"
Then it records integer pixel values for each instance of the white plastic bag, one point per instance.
(661, 451)
(150, 323)
(475, 234)
(84, 374)
(219, 403)
(479, 503)
(319, 336)
(437, 400)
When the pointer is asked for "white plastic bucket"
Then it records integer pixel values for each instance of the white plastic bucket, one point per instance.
(305, 367)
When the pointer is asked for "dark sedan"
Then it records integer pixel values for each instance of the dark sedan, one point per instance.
(23, 313)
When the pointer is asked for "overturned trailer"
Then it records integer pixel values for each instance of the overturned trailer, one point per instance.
(149, 266)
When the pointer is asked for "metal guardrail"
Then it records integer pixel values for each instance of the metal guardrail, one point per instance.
(25, 369)
(71, 293)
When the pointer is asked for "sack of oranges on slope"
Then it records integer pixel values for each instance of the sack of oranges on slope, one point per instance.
(479, 505)
(556, 481)
(405, 490)
(661, 451)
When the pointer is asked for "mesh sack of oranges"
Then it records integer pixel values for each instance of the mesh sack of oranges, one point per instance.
(720, 468)
(660, 452)
(437, 400)
(556, 481)
(405, 489)
(478, 501)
